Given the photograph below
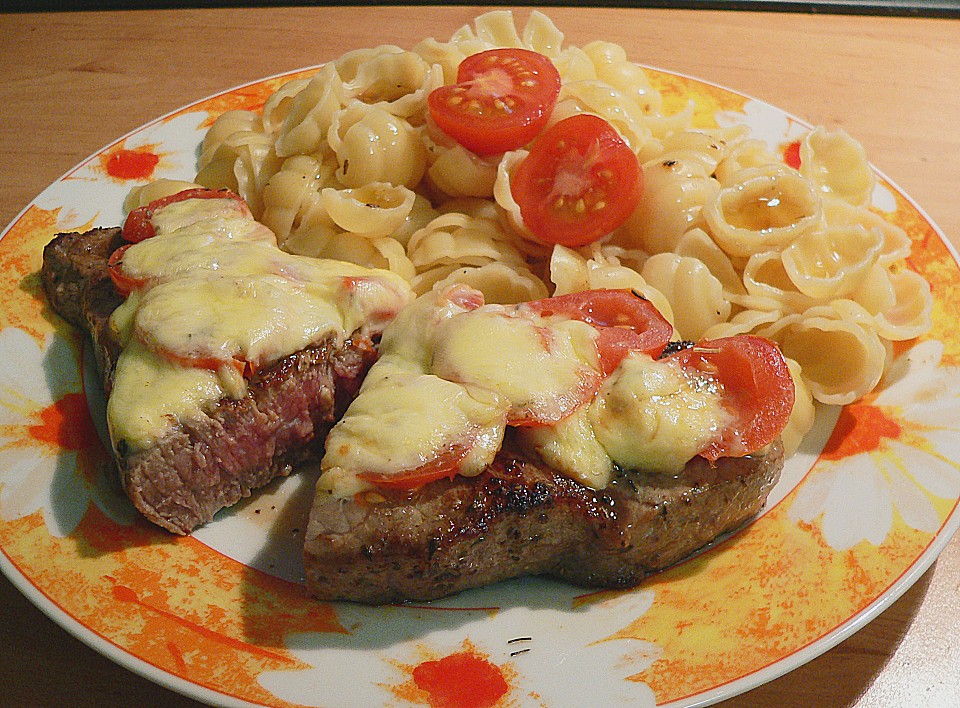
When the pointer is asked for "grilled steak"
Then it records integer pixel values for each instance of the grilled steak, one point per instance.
(77, 284)
(519, 517)
(213, 461)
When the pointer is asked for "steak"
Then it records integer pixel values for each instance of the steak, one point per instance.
(211, 462)
(77, 284)
(519, 517)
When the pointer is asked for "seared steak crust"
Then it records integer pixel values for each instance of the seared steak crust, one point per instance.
(519, 517)
(205, 464)
(78, 287)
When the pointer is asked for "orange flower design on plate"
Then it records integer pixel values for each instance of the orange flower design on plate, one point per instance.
(124, 163)
(894, 454)
(486, 647)
(51, 457)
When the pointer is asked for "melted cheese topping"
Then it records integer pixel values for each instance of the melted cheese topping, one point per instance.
(404, 415)
(151, 392)
(649, 415)
(656, 415)
(451, 376)
(219, 296)
(403, 419)
(572, 448)
(545, 372)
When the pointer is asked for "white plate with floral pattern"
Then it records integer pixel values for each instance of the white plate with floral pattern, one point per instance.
(860, 513)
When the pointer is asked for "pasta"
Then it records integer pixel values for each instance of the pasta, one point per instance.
(766, 207)
(727, 238)
(695, 295)
(373, 209)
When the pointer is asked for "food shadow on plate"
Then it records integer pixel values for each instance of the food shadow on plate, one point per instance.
(525, 624)
(83, 479)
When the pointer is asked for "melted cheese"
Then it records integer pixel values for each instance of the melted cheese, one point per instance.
(151, 393)
(404, 418)
(217, 294)
(572, 448)
(215, 217)
(544, 371)
(260, 317)
(650, 415)
(655, 415)
(405, 415)
(452, 375)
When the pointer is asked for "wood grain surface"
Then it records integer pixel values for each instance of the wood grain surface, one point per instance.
(72, 82)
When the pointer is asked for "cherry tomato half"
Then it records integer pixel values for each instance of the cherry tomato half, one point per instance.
(138, 225)
(501, 101)
(579, 182)
(757, 389)
(626, 321)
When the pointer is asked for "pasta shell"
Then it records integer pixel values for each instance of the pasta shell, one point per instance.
(373, 210)
(840, 360)
(372, 145)
(766, 208)
(392, 79)
(499, 283)
(804, 412)
(277, 106)
(911, 315)
(744, 322)
(696, 243)
(765, 276)
(837, 164)
(457, 172)
(674, 195)
(309, 117)
(896, 242)
(695, 296)
(832, 261)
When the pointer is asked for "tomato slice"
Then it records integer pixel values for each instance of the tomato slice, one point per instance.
(626, 320)
(502, 99)
(198, 358)
(243, 367)
(122, 283)
(546, 408)
(138, 225)
(446, 465)
(757, 389)
(579, 182)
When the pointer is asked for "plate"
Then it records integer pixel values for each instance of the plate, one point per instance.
(861, 512)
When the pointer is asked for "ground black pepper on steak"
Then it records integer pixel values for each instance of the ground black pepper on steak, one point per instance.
(211, 462)
(519, 517)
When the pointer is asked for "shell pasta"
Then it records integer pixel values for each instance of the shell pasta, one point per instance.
(729, 237)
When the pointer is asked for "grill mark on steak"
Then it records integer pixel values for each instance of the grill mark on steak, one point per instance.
(206, 464)
(519, 517)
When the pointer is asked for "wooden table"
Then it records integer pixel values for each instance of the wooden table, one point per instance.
(72, 82)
